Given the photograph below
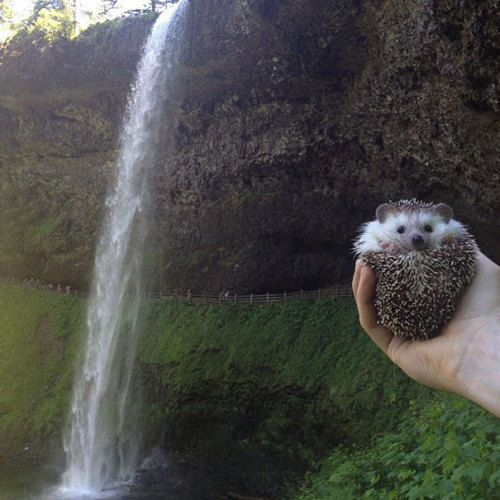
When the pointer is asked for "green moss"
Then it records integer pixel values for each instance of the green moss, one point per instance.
(276, 387)
(296, 380)
(297, 374)
(39, 336)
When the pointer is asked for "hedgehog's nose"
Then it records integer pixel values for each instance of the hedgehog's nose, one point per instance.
(418, 241)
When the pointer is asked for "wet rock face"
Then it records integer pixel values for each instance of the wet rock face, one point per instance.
(250, 193)
(299, 121)
(291, 123)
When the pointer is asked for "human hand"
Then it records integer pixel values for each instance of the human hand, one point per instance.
(465, 358)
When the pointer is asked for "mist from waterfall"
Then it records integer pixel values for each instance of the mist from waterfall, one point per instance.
(102, 438)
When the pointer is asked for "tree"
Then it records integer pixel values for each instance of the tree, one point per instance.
(151, 6)
(106, 6)
(53, 18)
(5, 12)
(155, 4)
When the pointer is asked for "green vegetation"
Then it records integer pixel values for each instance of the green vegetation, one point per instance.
(299, 379)
(448, 450)
(52, 19)
(314, 346)
(38, 345)
(286, 387)
(5, 11)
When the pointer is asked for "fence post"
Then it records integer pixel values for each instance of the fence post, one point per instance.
(337, 290)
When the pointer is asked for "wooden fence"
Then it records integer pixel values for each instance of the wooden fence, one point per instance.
(337, 291)
(333, 292)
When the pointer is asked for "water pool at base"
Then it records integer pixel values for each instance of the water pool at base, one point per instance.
(40, 483)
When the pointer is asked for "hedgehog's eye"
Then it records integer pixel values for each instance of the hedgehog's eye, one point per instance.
(428, 228)
(401, 229)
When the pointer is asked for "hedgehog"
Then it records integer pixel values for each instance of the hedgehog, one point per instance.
(423, 259)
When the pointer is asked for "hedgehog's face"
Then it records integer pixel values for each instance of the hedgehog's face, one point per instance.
(415, 231)
(409, 230)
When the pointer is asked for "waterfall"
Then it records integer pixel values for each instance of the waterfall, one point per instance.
(101, 441)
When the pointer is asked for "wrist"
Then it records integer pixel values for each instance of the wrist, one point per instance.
(478, 375)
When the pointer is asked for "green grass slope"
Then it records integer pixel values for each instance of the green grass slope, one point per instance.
(310, 350)
(301, 380)
(268, 390)
(39, 336)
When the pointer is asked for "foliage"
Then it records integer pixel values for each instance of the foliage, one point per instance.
(312, 350)
(295, 381)
(301, 379)
(52, 19)
(104, 32)
(5, 11)
(448, 450)
(289, 380)
(107, 5)
(38, 345)
(154, 5)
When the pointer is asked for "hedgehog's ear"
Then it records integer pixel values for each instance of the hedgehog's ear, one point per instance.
(383, 211)
(444, 211)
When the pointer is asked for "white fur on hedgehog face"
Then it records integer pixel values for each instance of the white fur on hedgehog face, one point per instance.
(406, 231)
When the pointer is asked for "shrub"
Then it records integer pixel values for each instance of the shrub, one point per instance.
(449, 450)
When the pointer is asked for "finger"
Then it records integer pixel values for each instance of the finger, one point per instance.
(367, 315)
(356, 277)
(364, 297)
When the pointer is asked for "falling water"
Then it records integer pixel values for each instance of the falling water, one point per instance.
(101, 442)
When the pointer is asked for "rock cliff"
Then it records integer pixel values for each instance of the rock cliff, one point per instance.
(290, 123)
